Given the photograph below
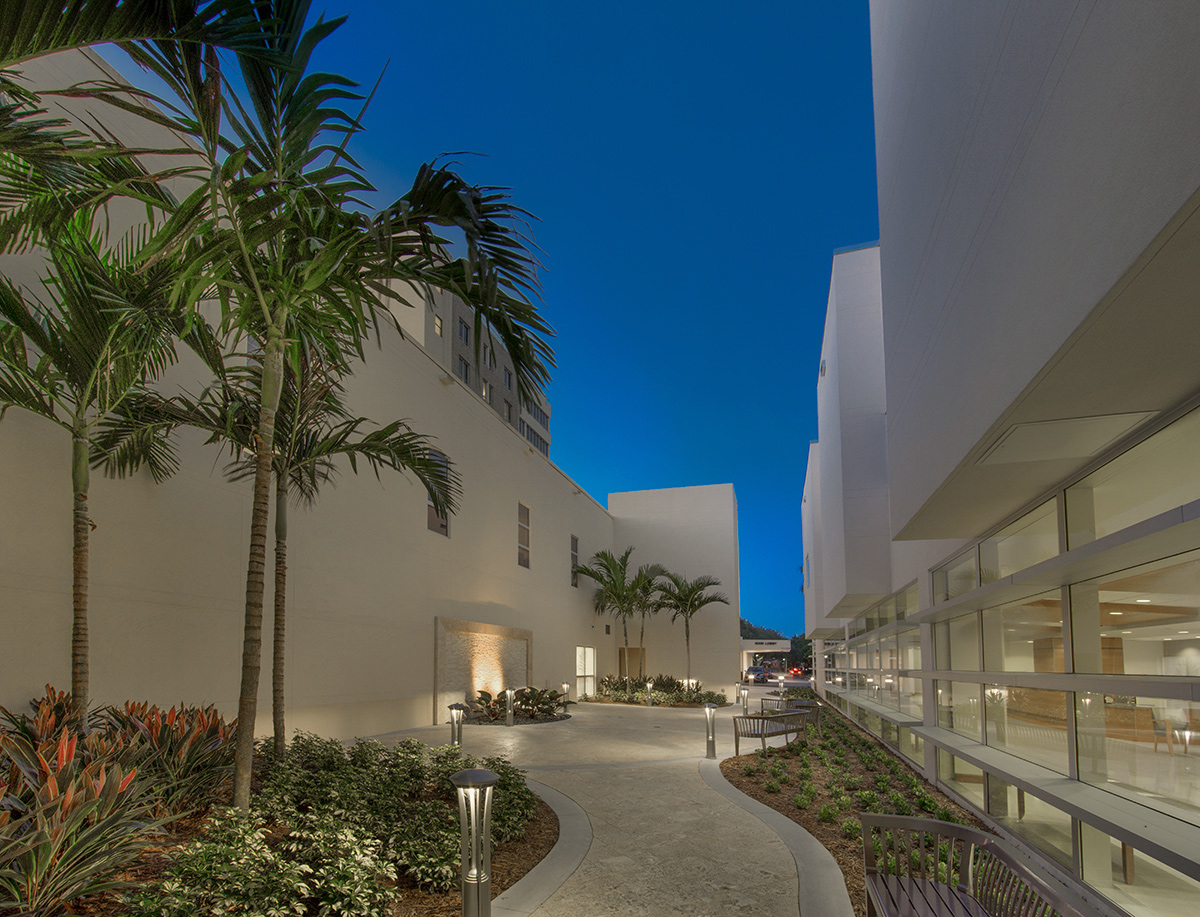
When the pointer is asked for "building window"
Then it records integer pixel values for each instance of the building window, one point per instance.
(607, 630)
(487, 391)
(522, 534)
(508, 411)
(574, 560)
(437, 325)
(464, 332)
(532, 435)
(538, 414)
(464, 370)
(508, 379)
(438, 523)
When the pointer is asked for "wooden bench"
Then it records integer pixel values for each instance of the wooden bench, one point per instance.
(926, 868)
(777, 724)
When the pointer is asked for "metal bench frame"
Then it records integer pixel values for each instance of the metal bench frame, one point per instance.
(993, 878)
(778, 724)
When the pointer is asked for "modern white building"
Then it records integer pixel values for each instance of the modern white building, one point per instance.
(391, 615)
(1002, 510)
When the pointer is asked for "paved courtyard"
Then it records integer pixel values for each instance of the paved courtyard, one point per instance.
(648, 826)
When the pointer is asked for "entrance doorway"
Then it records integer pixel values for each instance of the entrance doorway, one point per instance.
(585, 671)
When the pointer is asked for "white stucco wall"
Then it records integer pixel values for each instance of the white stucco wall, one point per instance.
(1027, 155)
(691, 531)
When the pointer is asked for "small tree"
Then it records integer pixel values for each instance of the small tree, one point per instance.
(683, 598)
(104, 329)
(614, 593)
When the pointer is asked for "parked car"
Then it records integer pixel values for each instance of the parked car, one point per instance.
(758, 674)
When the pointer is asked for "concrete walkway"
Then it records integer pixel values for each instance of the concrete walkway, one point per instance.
(647, 826)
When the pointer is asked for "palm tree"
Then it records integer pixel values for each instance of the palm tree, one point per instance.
(617, 593)
(103, 330)
(313, 431)
(282, 241)
(645, 590)
(49, 168)
(683, 598)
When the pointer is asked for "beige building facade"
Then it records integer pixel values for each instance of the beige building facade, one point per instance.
(390, 617)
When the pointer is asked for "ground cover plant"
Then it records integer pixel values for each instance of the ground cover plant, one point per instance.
(824, 782)
(129, 814)
(668, 691)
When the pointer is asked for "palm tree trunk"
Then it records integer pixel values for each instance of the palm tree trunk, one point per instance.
(625, 631)
(687, 642)
(642, 648)
(277, 650)
(81, 526)
(264, 443)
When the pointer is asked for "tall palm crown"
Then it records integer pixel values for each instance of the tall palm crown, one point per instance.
(275, 230)
(81, 352)
(684, 598)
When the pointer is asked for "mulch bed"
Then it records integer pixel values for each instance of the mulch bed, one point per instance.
(510, 863)
(847, 852)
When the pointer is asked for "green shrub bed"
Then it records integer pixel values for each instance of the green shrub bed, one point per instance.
(668, 691)
(825, 781)
(333, 829)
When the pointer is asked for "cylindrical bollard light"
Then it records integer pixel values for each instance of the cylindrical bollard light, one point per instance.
(457, 713)
(566, 686)
(474, 789)
(509, 694)
(649, 694)
(745, 700)
(710, 717)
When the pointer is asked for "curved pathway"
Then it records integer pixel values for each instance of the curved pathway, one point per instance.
(647, 826)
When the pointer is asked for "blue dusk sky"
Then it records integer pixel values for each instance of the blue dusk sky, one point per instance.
(693, 167)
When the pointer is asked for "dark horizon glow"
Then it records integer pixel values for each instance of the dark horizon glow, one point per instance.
(693, 168)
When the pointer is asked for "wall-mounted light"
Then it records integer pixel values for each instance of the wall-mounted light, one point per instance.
(474, 789)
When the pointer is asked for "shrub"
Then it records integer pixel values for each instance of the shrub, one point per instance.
(230, 868)
(883, 782)
(900, 804)
(843, 802)
(70, 815)
(749, 770)
(827, 813)
(801, 800)
(771, 786)
(851, 828)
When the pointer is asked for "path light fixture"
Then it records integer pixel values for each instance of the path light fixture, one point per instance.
(509, 696)
(457, 713)
(745, 700)
(649, 694)
(566, 686)
(474, 788)
(710, 722)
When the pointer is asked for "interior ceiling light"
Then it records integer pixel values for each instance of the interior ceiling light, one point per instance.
(1072, 438)
(1127, 632)
(1116, 612)
(1143, 601)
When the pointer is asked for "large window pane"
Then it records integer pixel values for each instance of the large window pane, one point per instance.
(958, 708)
(908, 642)
(1039, 823)
(910, 696)
(961, 777)
(1030, 540)
(912, 746)
(1144, 621)
(1024, 636)
(956, 577)
(1143, 748)
(1152, 477)
(1029, 723)
(957, 643)
(1135, 881)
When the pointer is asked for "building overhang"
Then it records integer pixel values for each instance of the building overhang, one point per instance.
(1132, 359)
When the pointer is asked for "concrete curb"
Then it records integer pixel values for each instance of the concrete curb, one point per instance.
(822, 888)
(574, 841)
